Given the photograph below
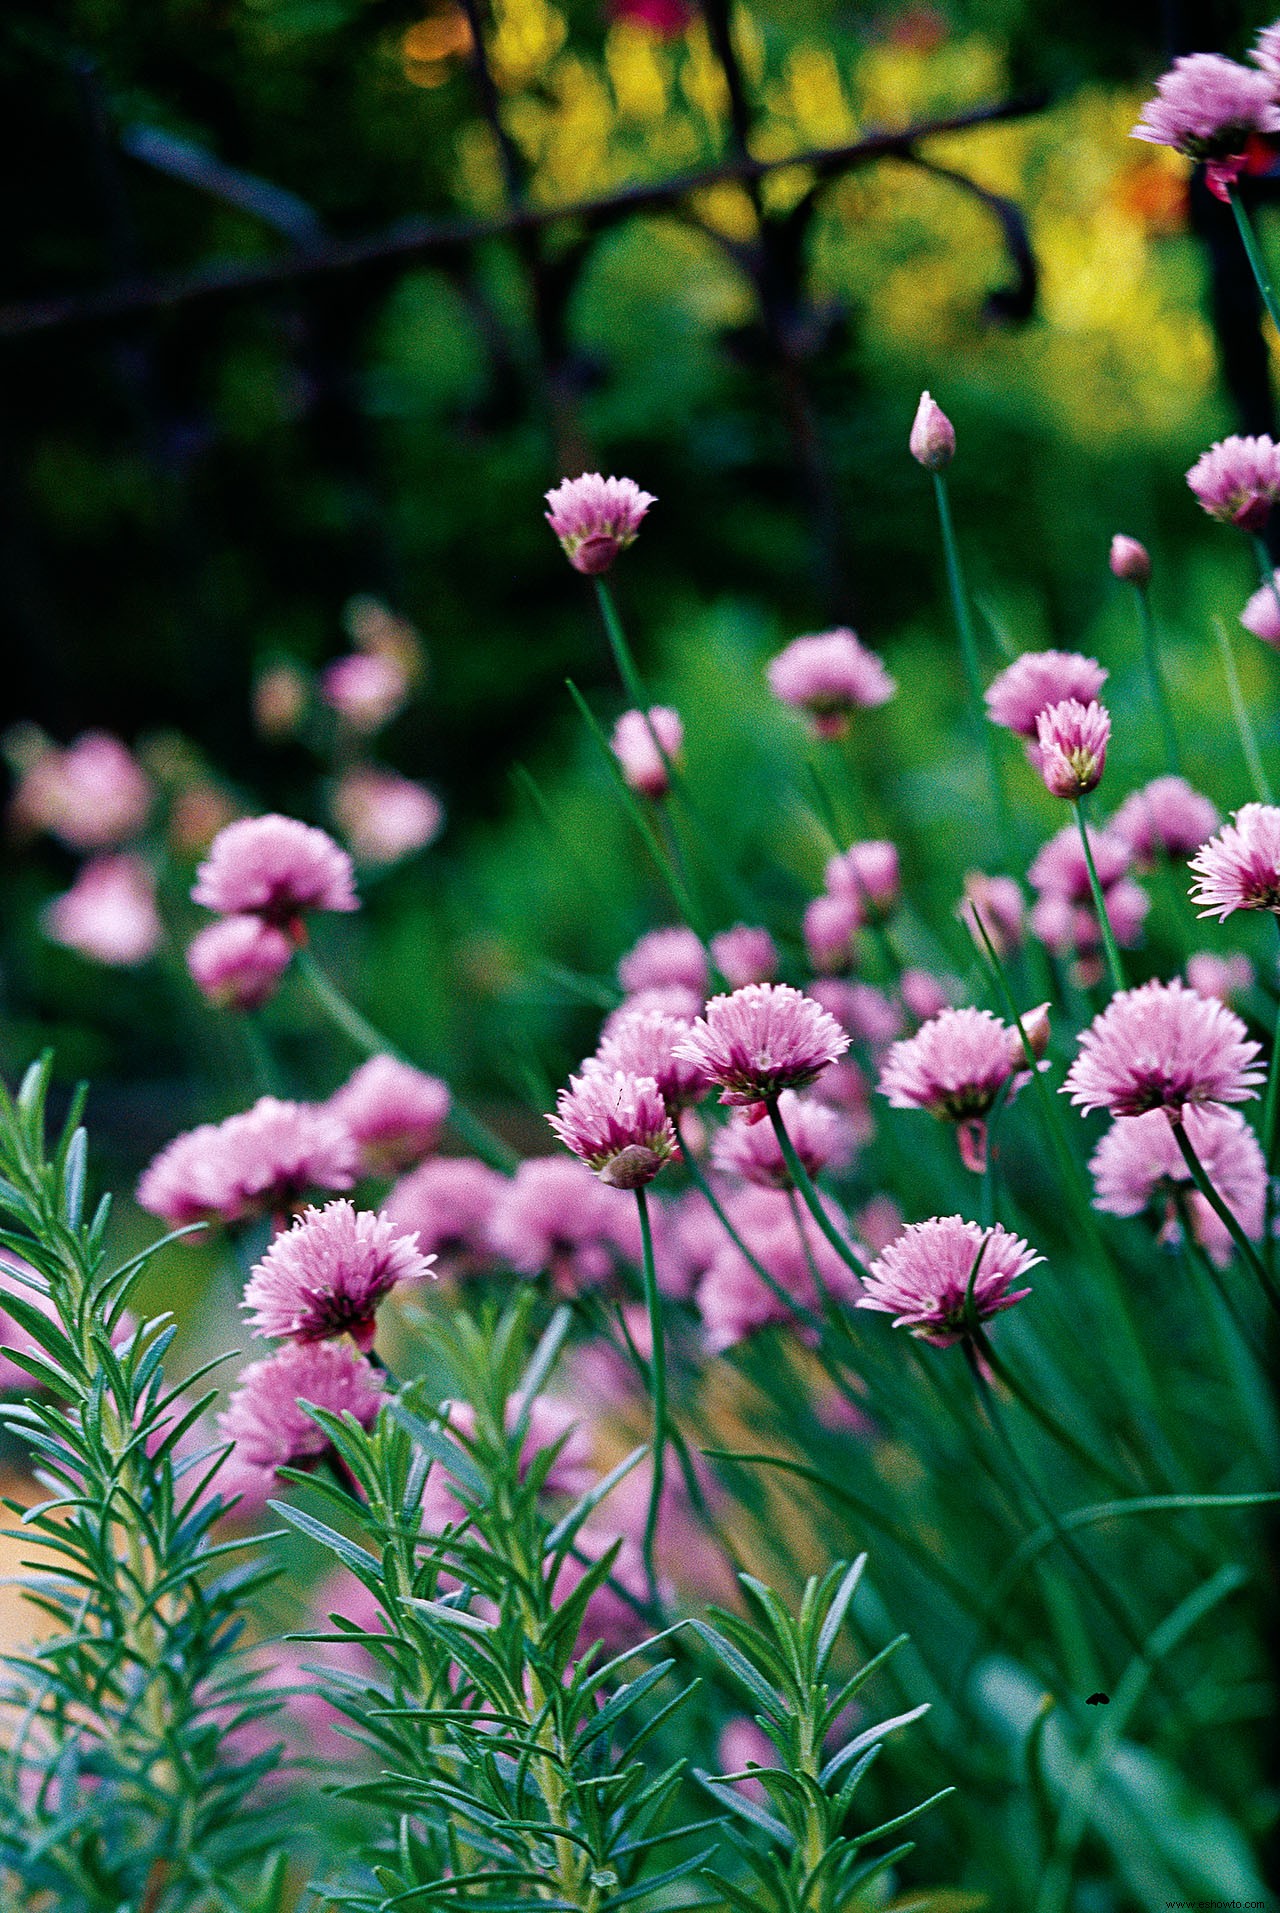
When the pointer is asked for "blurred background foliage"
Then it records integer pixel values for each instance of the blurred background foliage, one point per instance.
(198, 490)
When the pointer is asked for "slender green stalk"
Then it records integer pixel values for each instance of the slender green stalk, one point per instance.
(1253, 251)
(704, 1188)
(1078, 1450)
(1155, 676)
(1109, 944)
(1239, 710)
(467, 1127)
(1229, 1221)
(632, 682)
(658, 1383)
(803, 1182)
(969, 656)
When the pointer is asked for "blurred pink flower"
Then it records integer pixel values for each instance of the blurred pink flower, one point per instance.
(1038, 679)
(555, 1215)
(925, 995)
(1222, 976)
(733, 1301)
(863, 1012)
(385, 817)
(763, 1039)
(280, 694)
(932, 442)
(666, 19)
(238, 962)
(394, 1112)
(1138, 1163)
(274, 867)
(742, 1742)
(327, 1274)
(1129, 560)
(268, 1425)
(744, 955)
(1000, 904)
(666, 958)
(366, 689)
(1163, 1047)
(1167, 817)
(867, 874)
(262, 1160)
(448, 1203)
(1071, 742)
(1238, 480)
(923, 1278)
(109, 914)
(1239, 869)
(644, 764)
(643, 1043)
(92, 795)
(595, 518)
(618, 1125)
(831, 925)
(830, 674)
(820, 1135)
(1261, 614)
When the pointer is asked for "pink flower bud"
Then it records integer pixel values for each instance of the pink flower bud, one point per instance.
(1072, 747)
(933, 436)
(238, 961)
(1130, 560)
(645, 743)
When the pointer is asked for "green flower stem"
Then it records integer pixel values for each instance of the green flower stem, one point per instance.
(1239, 710)
(1243, 1360)
(704, 1188)
(1109, 944)
(469, 1128)
(969, 656)
(1155, 676)
(1224, 1214)
(1078, 1450)
(658, 1383)
(1253, 251)
(632, 682)
(804, 1183)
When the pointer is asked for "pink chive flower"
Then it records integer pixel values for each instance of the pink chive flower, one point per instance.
(1266, 51)
(733, 1301)
(1208, 108)
(1239, 869)
(448, 1203)
(91, 796)
(394, 1112)
(263, 1160)
(1163, 1047)
(932, 442)
(365, 689)
(269, 1427)
(1167, 817)
(385, 817)
(1000, 906)
(662, 999)
(663, 958)
(925, 995)
(1222, 976)
(1138, 1165)
(554, 1215)
(923, 1278)
(618, 1125)
(831, 926)
(1129, 560)
(955, 1066)
(643, 1043)
(866, 1014)
(274, 867)
(1071, 754)
(761, 1040)
(1063, 916)
(645, 744)
(745, 954)
(1035, 681)
(868, 874)
(1261, 614)
(238, 962)
(595, 518)
(821, 1136)
(327, 1274)
(1238, 480)
(109, 914)
(830, 675)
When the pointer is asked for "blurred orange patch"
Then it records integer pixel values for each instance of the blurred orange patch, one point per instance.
(432, 44)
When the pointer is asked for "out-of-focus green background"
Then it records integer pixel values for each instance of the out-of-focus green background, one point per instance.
(197, 491)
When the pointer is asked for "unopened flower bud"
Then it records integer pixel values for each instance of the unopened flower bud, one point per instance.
(1035, 1028)
(933, 436)
(1129, 560)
